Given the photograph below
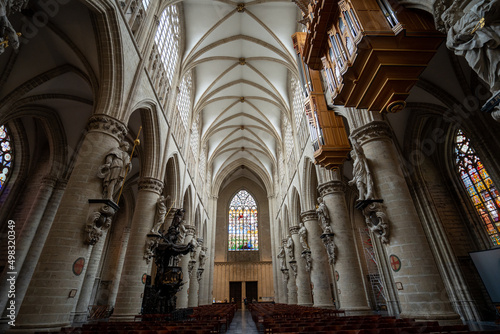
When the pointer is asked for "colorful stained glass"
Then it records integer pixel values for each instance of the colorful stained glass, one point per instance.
(5, 155)
(243, 228)
(479, 186)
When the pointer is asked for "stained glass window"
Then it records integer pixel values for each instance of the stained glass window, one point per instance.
(5, 155)
(243, 227)
(479, 186)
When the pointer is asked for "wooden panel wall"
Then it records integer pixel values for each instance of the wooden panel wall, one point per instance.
(225, 272)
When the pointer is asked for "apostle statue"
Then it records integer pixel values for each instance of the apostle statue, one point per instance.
(290, 247)
(323, 214)
(362, 176)
(281, 257)
(113, 171)
(161, 212)
(303, 236)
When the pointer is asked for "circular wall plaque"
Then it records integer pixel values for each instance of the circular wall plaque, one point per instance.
(78, 266)
(144, 278)
(337, 276)
(395, 262)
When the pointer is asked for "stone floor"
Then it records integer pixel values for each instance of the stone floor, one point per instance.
(242, 323)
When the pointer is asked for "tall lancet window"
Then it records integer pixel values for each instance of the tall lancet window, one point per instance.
(243, 228)
(5, 156)
(479, 185)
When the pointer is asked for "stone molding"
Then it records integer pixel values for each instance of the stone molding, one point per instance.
(309, 215)
(49, 181)
(294, 229)
(61, 184)
(150, 184)
(377, 130)
(331, 187)
(108, 125)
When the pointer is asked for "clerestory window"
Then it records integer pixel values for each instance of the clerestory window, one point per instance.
(243, 226)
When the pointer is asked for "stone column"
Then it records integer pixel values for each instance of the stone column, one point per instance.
(203, 278)
(25, 237)
(194, 285)
(303, 281)
(116, 272)
(129, 298)
(183, 294)
(47, 303)
(423, 295)
(320, 270)
(24, 278)
(292, 285)
(350, 287)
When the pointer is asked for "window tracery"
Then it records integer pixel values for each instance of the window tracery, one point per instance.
(479, 186)
(184, 98)
(167, 40)
(243, 225)
(6, 156)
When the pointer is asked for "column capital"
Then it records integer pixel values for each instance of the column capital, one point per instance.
(151, 184)
(49, 181)
(294, 229)
(331, 187)
(108, 125)
(376, 130)
(309, 215)
(61, 184)
(190, 229)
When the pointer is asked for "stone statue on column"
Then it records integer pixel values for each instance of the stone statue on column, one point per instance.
(306, 255)
(161, 212)
(113, 171)
(290, 247)
(281, 257)
(8, 35)
(202, 256)
(98, 222)
(323, 213)
(361, 173)
(329, 242)
(475, 34)
(303, 236)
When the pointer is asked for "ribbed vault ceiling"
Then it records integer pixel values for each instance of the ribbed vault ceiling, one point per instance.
(242, 55)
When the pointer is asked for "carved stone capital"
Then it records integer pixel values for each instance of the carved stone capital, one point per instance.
(108, 125)
(150, 184)
(309, 215)
(190, 229)
(377, 221)
(49, 181)
(61, 184)
(331, 187)
(152, 243)
(294, 229)
(377, 130)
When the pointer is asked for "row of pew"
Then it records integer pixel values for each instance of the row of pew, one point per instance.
(208, 319)
(291, 319)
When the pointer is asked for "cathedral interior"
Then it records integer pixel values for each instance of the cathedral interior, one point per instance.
(339, 155)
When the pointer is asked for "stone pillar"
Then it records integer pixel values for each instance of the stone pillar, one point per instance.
(117, 270)
(303, 281)
(320, 270)
(25, 237)
(292, 285)
(24, 278)
(129, 298)
(203, 278)
(350, 287)
(194, 285)
(423, 295)
(183, 294)
(47, 304)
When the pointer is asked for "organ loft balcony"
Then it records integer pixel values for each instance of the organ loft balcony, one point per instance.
(368, 54)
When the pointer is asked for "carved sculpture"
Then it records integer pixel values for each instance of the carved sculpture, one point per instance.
(113, 171)
(293, 265)
(306, 255)
(281, 257)
(194, 244)
(329, 241)
(303, 236)
(149, 249)
(202, 256)
(8, 35)
(191, 267)
(290, 247)
(199, 274)
(286, 276)
(323, 213)
(362, 176)
(98, 222)
(475, 34)
(376, 220)
(161, 212)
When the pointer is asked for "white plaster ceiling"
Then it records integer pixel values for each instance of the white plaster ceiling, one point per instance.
(217, 36)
